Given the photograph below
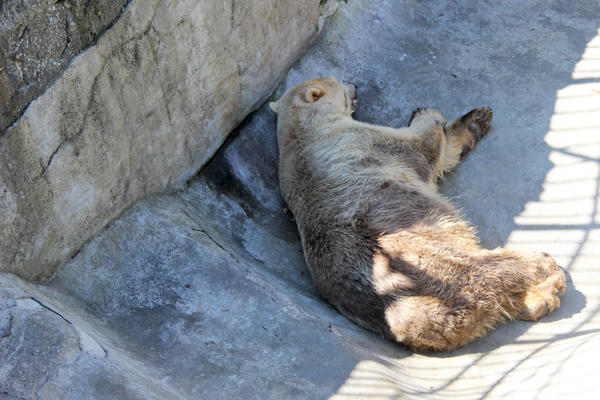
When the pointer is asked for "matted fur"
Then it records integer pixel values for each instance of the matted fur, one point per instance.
(381, 244)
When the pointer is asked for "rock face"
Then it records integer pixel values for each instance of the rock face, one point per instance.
(38, 39)
(138, 113)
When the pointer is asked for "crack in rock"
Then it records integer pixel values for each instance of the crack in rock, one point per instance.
(87, 343)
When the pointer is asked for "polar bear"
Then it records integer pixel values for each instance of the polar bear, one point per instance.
(381, 244)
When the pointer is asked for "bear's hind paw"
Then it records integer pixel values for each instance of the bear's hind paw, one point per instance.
(543, 298)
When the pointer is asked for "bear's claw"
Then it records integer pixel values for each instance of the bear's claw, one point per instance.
(434, 116)
(415, 113)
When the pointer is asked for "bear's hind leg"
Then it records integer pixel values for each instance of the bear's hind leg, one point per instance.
(428, 323)
(453, 307)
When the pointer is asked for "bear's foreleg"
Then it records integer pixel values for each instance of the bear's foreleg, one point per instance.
(444, 145)
(461, 136)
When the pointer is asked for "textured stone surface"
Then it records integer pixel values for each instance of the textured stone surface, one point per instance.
(138, 113)
(204, 293)
(48, 353)
(38, 38)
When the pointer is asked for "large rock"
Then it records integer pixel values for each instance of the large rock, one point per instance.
(138, 113)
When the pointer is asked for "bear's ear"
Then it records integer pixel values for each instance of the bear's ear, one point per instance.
(314, 93)
(274, 105)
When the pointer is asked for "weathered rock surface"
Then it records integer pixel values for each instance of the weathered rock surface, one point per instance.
(47, 353)
(204, 293)
(138, 113)
(38, 39)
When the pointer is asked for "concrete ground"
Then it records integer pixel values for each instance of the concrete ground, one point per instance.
(204, 293)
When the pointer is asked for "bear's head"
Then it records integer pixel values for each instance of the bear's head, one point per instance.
(324, 97)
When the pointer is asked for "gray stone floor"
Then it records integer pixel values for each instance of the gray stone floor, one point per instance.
(203, 294)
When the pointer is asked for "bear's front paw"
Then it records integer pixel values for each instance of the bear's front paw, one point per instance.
(478, 121)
